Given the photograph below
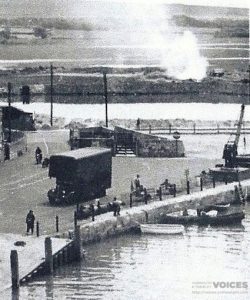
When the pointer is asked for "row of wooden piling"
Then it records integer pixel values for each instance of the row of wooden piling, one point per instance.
(70, 252)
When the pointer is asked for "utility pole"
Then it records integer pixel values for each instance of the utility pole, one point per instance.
(51, 94)
(9, 112)
(105, 96)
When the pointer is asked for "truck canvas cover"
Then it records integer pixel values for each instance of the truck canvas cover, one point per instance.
(82, 165)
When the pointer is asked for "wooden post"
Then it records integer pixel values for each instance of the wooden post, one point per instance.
(9, 112)
(213, 182)
(48, 256)
(226, 180)
(57, 224)
(194, 128)
(201, 184)
(160, 193)
(130, 200)
(174, 190)
(218, 128)
(78, 243)
(75, 218)
(105, 96)
(51, 95)
(145, 196)
(14, 269)
(37, 229)
(188, 187)
(150, 129)
(170, 128)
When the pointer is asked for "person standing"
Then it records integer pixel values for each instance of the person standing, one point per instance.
(38, 155)
(30, 220)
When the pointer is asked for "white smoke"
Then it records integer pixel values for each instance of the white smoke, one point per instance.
(179, 54)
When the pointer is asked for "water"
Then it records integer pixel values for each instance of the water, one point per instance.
(153, 267)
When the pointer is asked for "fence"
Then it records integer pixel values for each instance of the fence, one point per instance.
(194, 130)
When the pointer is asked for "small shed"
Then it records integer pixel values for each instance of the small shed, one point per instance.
(20, 120)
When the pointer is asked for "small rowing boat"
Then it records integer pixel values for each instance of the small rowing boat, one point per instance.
(161, 229)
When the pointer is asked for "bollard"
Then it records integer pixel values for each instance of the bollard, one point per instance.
(14, 269)
(213, 182)
(37, 229)
(57, 224)
(75, 218)
(93, 212)
(174, 190)
(130, 200)
(201, 184)
(48, 256)
(160, 193)
(188, 187)
(78, 243)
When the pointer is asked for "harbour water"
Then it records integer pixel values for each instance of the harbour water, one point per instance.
(156, 267)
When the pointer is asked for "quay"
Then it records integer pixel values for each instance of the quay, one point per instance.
(35, 258)
(107, 225)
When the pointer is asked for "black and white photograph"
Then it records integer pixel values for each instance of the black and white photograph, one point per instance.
(124, 150)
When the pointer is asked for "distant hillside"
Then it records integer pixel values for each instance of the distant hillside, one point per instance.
(48, 23)
(211, 12)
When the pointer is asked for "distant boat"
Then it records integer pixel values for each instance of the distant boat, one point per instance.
(226, 216)
(162, 229)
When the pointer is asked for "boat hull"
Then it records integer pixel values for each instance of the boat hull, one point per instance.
(161, 229)
(205, 220)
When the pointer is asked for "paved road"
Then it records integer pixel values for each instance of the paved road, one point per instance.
(24, 185)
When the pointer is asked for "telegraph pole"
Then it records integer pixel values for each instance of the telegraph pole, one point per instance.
(105, 96)
(51, 94)
(9, 111)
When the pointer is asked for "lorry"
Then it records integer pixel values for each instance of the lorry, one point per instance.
(81, 175)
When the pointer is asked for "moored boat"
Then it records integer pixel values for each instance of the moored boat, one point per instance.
(228, 216)
(162, 229)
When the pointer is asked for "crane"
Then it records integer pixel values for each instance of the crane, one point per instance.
(230, 148)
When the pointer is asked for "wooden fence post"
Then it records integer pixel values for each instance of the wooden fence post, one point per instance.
(14, 269)
(48, 256)
(188, 187)
(201, 184)
(57, 224)
(130, 200)
(160, 193)
(78, 243)
(174, 192)
(37, 229)
(75, 218)
(213, 182)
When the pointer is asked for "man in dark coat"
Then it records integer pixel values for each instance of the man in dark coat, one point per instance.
(38, 155)
(30, 220)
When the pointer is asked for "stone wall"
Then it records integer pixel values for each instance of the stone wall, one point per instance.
(149, 145)
(107, 225)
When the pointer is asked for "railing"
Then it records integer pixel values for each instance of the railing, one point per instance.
(194, 130)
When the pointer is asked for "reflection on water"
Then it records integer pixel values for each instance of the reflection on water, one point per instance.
(153, 267)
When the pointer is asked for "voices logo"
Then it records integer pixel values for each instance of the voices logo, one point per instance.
(230, 284)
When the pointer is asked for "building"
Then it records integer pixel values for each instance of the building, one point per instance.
(19, 119)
